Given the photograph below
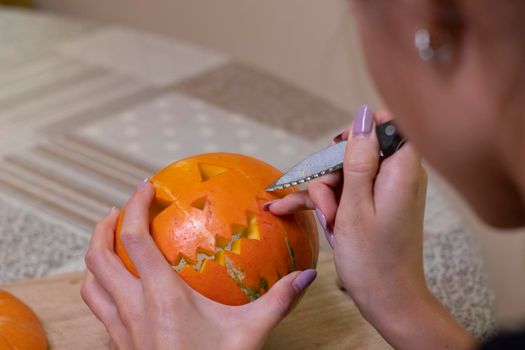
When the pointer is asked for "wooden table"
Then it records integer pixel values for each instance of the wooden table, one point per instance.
(325, 319)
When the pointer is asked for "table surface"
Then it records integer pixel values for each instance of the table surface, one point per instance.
(325, 319)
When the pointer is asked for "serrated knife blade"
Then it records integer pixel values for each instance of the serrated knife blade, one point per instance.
(318, 164)
(330, 159)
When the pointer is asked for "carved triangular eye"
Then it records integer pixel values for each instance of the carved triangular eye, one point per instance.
(199, 203)
(208, 171)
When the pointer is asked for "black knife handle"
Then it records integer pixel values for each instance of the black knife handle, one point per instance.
(389, 137)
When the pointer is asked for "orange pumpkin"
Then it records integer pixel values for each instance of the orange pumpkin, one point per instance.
(208, 222)
(20, 329)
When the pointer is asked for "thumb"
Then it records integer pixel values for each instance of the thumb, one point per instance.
(361, 164)
(273, 306)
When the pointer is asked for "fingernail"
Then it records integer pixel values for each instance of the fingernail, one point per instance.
(143, 184)
(304, 279)
(327, 231)
(110, 211)
(363, 121)
(339, 137)
(266, 206)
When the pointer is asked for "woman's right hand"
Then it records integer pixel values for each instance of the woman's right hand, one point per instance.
(372, 213)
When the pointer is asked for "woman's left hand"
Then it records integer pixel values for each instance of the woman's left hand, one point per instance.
(159, 310)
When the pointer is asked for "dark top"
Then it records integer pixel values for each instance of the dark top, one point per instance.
(506, 341)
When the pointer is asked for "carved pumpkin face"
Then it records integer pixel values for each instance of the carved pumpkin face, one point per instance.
(208, 222)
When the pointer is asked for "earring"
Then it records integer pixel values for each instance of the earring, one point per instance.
(428, 53)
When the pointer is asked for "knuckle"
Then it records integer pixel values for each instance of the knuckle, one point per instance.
(163, 308)
(85, 291)
(164, 303)
(130, 238)
(360, 167)
(282, 301)
(93, 258)
(131, 315)
(313, 185)
(316, 189)
(361, 159)
(317, 184)
(101, 225)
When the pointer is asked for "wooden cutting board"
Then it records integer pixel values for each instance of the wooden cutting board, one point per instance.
(325, 319)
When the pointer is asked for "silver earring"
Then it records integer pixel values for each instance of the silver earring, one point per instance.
(428, 53)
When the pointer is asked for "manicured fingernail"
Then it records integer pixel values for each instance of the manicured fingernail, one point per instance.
(330, 238)
(143, 184)
(110, 211)
(266, 206)
(339, 137)
(304, 279)
(363, 121)
(327, 231)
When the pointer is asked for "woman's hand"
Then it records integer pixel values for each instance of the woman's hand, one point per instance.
(372, 213)
(160, 311)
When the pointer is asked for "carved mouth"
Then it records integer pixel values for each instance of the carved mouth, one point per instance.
(250, 231)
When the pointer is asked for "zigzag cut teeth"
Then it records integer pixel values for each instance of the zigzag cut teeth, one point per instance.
(250, 231)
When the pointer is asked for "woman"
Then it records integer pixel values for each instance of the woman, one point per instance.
(451, 71)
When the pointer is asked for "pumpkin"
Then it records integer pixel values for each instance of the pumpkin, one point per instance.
(20, 329)
(208, 222)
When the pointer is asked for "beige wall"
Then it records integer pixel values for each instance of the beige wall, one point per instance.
(304, 41)
(309, 43)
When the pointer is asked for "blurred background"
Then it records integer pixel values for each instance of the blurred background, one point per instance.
(308, 45)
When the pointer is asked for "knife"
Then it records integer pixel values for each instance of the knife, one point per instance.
(330, 159)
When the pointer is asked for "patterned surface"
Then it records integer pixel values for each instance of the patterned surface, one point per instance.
(242, 89)
(173, 126)
(454, 270)
(87, 112)
(51, 244)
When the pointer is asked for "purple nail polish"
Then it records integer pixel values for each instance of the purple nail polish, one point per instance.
(141, 186)
(266, 206)
(110, 211)
(363, 121)
(330, 238)
(327, 231)
(304, 279)
(321, 218)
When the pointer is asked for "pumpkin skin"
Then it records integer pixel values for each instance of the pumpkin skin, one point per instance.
(208, 222)
(20, 329)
